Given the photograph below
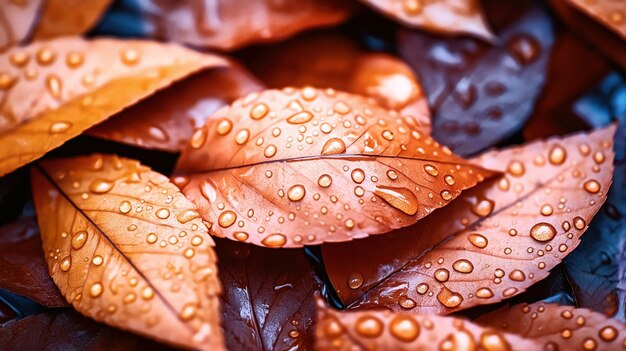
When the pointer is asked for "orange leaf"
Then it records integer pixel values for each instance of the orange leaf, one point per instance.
(559, 327)
(126, 248)
(332, 60)
(385, 330)
(166, 120)
(442, 16)
(502, 236)
(52, 91)
(610, 13)
(69, 17)
(299, 167)
(228, 25)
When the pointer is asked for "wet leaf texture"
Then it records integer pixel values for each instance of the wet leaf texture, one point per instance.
(267, 302)
(126, 248)
(333, 60)
(51, 91)
(304, 166)
(496, 239)
(481, 94)
(227, 25)
(385, 330)
(559, 327)
(441, 16)
(166, 120)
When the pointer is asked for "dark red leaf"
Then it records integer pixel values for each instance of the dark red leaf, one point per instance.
(6, 313)
(267, 299)
(22, 268)
(481, 94)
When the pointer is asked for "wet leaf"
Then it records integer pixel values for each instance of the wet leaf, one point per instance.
(23, 270)
(16, 21)
(495, 240)
(51, 91)
(267, 302)
(482, 94)
(442, 17)
(611, 13)
(385, 330)
(126, 248)
(228, 25)
(69, 17)
(333, 60)
(166, 120)
(559, 327)
(304, 166)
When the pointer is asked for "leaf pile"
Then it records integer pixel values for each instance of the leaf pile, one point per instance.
(429, 174)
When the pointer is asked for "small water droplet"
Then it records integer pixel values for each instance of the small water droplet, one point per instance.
(242, 136)
(96, 290)
(60, 127)
(100, 186)
(592, 186)
(186, 216)
(224, 126)
(483, 207)
(355, 280)
(162, 213)
(442, 275)
(369, 326)
(270, 150)
(432, 170)
(358, 176)
(66, 264)
(325, 180)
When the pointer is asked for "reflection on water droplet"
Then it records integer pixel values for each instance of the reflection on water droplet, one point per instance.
(369, 326)
(333, 146)
(274, 240)
(224, 126)
(478, 240)
(100, 186)
(324, 181)
(259, 111)
(463, 266)
(592, 186)
(483, 207)
(66, 264)
(96, 290)
(404, 328)
(543, 232)
(79, 239)
(125, 207)
(401, 198)
(296, 192)
(300, 117)
(60, 127)
(358, 176)
(557, 155)
(227, 218)
(163, 213)
(449, 298)
(355, 280)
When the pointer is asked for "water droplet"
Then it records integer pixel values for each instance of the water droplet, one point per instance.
(404, 328)
(369, 326)
(7, 81)
(388, 135)
(74, 59)
(484, 293)
(66, 264)
(543, 232)
(198, 138)
(224, 126)
(185, 216)
(125, 207)
(60, 127)
(147, 293)
(355, 280)
(493, 341)
(589, 344)
(130, 57)
(516, 168)
(478, 240)
(163, 213)
(242, 136)
(189, 253)
(547, 210)
(259, 111)
(152, 238)
(517, 275)
(333, 146)
(483, 207)
(300, 117)
(54, 85)
(449, 298)
(100, 186)
(432, 170)
(592, 186)
(358, 176)
(227, 218)
(96, 290)
(45, 56)
(97, 260)
(557, 155)
(270, 150)
(524, 48)
(449, 179)
(79, 239)
(463, 266)
(579, 223)
(274, 240)
(324, 181)
(342, 108)
(608, 333)
(446, 195)
(442, 275)
(188, 312)
(401, 198)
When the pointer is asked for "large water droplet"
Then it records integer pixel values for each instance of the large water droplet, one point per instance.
(557, 155)
(100, 186)
(300, 117)
(79, 239)
(543, 232)
(404, 328)
(296, 192)
(401, 198)
(355, 280)
(483, 207)
(358, 176)
(463, 266)
(324, 180)
(334, 146)
(274, 240)
(449, 298)
(369, 326)
(592, 186)
(227, 218)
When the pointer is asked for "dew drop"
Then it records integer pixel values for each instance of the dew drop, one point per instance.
(97, 260)
(358, 176)
(546, 210)
(163, 213)
(608, 333)
(79, 239)
(449, 179)
(517, 275)
(484, 293)
(96, 290)
(66, 264)
(449, 298)
(483, 207)
(241, 236)
(100, 186)
(388, 135)
(557, 155)
(224, 126)
(333, 146)
(60, 127)
(324, 180)
(432, 170)
(186, 216)
(369, 327)
(125, 207)
(151, 238)
(442, 275)
(592, 186)
(404, 328)
(147, 293)
(543, 232)
(296, 193)
(463, 266)
(270, 150)
(355, 280)
(188, 312)
(446, 195)
(259, 111)
(198, 138)
(493, 341)
(300, 117)
(274, 240)
(579, 223)
(242, 136)
(227, 218)
(130, 57)
(401, 198)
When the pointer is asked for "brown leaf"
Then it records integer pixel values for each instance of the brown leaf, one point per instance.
(608, 12)
(306, 166)
(52, 91)
(482, 94)
(23, 270)
(384, 330)
(228, 25)
(16, 21)
(496, 240)
(559, 327)
(166, 120)
(126, 248)
(267, 302)
(69, 17)
(332, 60)
(450, 17)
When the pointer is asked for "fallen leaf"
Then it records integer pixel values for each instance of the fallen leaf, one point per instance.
(69, 17)
(52, 91)
(228, 25)
(304, 166)
(333, 60)
(16, 21)
(384, 330)
(126, 248)
(482, 94)
(558, 327)
(452, 17)
(23, 270)
(608, 12)
(267, 302)
(166, 120)
(496, 239)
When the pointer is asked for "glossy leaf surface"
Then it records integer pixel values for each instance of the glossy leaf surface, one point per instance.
(126, 248)
(495, 240)
(166, 120)
(79, 83)
(306, 166)
(481, 94)
(610, 13)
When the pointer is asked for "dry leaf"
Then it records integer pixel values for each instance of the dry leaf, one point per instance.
(228, 25)
(384, 330)
(52, 91)
(333, 60)
(16, 20)
(482, 94)
(23, 270)
(559, 327)
(442, 16)
(267, 302)
(126, 248)
(305, 166)
(610, 13)
(166, 120)
(69, 17)
(502, 236)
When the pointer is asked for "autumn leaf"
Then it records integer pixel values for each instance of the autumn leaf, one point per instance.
(23, 270)
(482, 94)
(450, 17)
(16, 20)
(385, 330)
(52, 91)
(496, 239)
(559, 327)
(126, 248)
(166, 120)
(610, 13)
(332, 60)
(267, 302)
(304, 166)
(228, 25)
